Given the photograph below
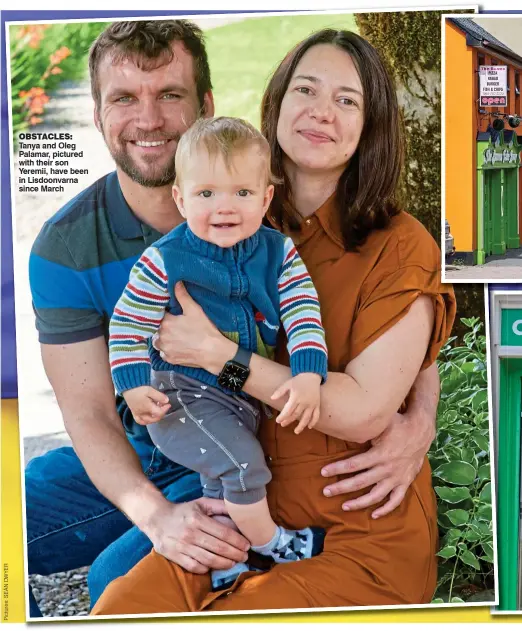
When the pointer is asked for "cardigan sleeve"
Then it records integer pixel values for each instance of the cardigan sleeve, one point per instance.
(137, 316)
(301, 315)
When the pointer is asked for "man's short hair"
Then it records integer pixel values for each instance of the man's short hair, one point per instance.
(224, 137)
(148, 45)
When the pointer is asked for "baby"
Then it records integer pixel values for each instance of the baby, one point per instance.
(248, 279)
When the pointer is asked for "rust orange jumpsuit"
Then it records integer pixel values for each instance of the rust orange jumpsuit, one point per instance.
(386, 561)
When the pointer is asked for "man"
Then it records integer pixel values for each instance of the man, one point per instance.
(113, 497)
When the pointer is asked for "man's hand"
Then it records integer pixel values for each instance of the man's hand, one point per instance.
(304, 398)
(390, 465)
(188, 535)
(147, 404)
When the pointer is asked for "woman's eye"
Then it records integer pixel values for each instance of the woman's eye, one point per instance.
(205, 193)
(243, 192)
(303, 90)
(347, 101)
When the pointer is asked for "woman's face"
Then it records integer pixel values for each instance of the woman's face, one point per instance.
(321, 115)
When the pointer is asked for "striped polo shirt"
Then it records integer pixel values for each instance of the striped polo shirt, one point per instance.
(81, 260)
(80, 263)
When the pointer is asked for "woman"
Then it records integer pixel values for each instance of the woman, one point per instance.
(331, 116)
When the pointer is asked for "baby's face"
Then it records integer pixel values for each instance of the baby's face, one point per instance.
(222, 205)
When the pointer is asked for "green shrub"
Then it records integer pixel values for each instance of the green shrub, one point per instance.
(460, 460)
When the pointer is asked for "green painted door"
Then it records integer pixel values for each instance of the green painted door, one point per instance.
(508, 482)
(488, 218)
(497, 227)
(498, 240)
(510, 207)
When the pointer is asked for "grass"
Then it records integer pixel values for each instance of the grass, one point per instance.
(244, 54)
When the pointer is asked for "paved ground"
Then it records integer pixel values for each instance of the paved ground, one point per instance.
(507, 267)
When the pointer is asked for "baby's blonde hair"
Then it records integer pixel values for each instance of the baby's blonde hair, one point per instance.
(221, 136)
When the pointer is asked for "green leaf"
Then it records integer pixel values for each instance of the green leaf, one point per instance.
(480, 399)
(458, 517)
(460, 428)
(447, 552)
(437, 601)
(452, 536)
(485, 493)
(481, 441)
(453, 495)
(484, 472)
(488, 552)
(484, 512)
(443, 521)
(482, 528)
(451, 452)
(470, 559)
(456, 472)
(456, 599)
(468, 455)
(471, 535)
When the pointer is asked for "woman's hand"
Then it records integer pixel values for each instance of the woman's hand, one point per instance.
(390, 465)
(191, 339)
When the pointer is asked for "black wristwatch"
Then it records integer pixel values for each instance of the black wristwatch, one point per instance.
(235, 372)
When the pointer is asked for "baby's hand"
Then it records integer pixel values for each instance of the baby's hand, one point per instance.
(147, 404)
(303, 401)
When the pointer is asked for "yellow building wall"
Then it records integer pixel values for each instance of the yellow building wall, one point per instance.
(460, 134)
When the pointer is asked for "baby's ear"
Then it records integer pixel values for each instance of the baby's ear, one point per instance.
(178, 200)
(269, 194)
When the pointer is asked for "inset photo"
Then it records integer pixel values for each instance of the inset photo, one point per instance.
(482, 142)
(505, 351)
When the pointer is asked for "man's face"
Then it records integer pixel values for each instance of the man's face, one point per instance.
(143, 113)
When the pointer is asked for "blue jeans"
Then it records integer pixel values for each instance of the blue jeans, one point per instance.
(70, 524)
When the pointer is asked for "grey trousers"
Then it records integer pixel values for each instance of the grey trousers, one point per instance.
(214, 434)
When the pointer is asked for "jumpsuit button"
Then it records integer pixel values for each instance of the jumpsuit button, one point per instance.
(308, 222)
(229, 593)
(269, 458)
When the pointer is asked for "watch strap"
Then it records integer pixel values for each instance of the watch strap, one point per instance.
(242, 357)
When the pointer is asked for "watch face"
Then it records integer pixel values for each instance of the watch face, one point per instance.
(233, 376)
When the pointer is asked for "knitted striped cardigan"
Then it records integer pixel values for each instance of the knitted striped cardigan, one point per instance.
(246, 290)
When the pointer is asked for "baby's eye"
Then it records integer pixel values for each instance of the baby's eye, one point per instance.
(205, 193)
(243, 192)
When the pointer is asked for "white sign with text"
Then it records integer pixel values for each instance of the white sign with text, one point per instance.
(493, 86)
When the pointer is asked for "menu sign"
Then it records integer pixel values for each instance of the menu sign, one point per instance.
(493, 86)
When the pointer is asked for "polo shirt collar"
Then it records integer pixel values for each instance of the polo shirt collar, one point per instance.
(329, 217)
(124, 222)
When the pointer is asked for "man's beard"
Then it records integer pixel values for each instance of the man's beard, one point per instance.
(162, 176)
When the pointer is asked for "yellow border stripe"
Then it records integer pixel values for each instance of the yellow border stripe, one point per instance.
(13, 609)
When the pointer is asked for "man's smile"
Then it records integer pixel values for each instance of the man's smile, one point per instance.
(155, 143)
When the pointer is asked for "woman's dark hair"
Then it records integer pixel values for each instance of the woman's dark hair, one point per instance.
(366, 189)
